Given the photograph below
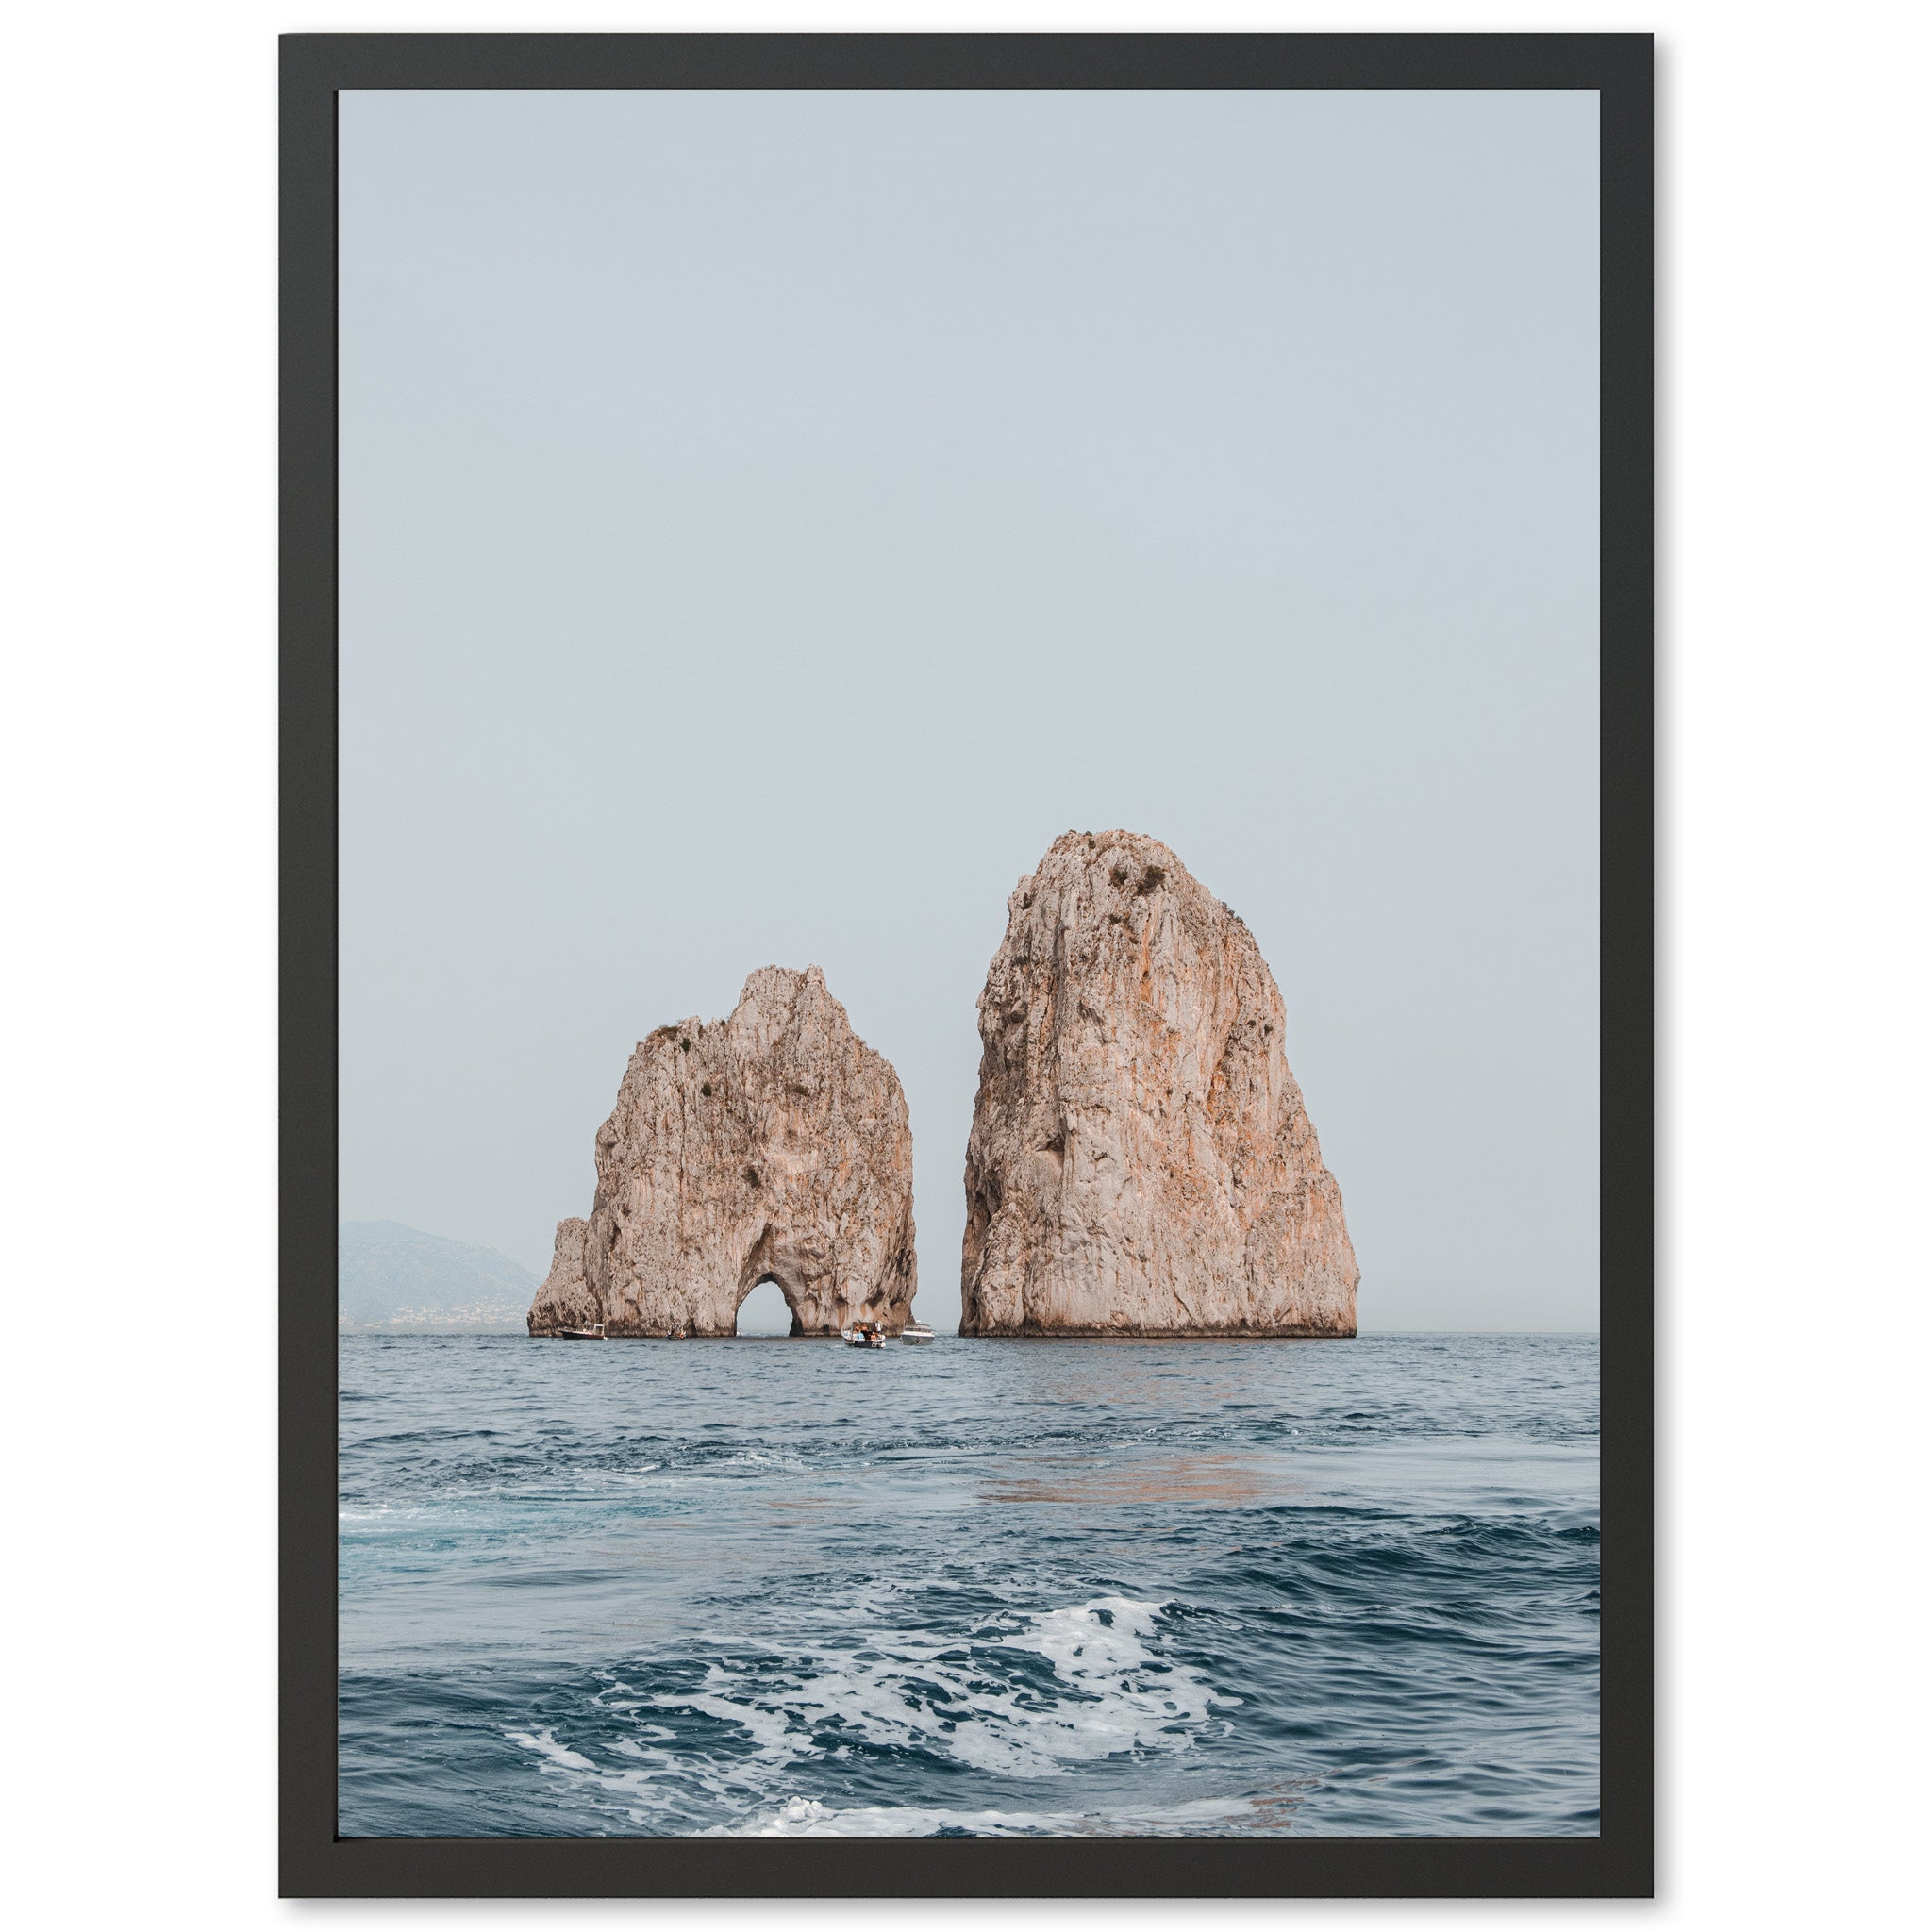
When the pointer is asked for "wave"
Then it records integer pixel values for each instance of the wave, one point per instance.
(981, 1702)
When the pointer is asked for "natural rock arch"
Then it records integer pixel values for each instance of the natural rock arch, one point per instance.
(760, 1266)
(767, 1310)
(772, 1145)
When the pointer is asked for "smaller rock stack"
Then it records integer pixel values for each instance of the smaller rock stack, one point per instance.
(770, 1147)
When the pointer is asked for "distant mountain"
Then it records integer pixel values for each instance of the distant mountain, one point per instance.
(391, 1276)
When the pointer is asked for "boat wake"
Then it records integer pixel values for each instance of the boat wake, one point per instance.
(969, 1588)
(1029, 1701)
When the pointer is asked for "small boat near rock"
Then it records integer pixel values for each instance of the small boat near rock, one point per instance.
(864, 1335)
(915, 1332)
(594, 1333)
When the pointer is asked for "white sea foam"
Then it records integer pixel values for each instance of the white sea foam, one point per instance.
(967, 1699)
(384, 1512)
(808, 1818)
(544, 1743)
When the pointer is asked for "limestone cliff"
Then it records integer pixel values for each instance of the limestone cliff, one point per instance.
(773, 1146)
(1141, 1162)
(564, 1299)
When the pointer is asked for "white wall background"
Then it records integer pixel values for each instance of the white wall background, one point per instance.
(136, 618)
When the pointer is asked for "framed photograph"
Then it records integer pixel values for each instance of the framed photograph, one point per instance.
(967, 790)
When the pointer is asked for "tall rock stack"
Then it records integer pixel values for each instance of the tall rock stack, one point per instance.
(1141, 1162)
(770, 1147)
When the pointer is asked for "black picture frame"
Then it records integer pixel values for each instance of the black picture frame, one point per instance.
(314, 1861)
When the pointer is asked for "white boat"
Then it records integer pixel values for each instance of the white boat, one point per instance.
(915, 1331)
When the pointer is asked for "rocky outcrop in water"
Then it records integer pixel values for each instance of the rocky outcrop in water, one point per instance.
(770, 1147)
(565, 1299)
(1141, 1162)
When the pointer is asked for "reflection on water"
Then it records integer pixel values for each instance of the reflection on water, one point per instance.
(1208, 1479)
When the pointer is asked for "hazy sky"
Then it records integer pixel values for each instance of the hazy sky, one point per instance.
(768, 520)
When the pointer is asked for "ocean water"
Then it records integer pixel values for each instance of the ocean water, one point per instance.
(982, 1587)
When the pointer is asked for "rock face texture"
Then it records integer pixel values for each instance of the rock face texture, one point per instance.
(770, 1147)
(1141, 1162)
(564, 1298)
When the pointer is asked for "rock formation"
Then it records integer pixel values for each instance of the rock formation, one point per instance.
(770, 1147)
(564, 1298)
(1141, 1162)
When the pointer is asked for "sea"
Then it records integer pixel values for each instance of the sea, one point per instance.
(785, 1585)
